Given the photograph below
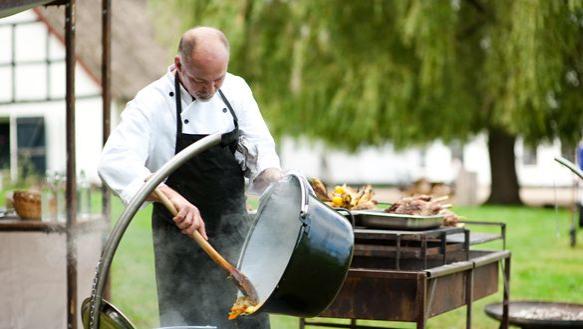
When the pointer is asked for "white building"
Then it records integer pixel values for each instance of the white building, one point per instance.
(437, 162)
(32, 82)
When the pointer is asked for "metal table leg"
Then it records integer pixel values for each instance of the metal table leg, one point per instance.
(421, 301)
(469, 297)
(506, 277)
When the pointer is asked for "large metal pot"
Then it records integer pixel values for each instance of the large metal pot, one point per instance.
(112, 318)
(298, 252)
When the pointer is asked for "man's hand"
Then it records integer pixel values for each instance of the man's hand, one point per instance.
(266, 177)
(188, 218)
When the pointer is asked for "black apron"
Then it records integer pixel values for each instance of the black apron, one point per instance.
(192, 289)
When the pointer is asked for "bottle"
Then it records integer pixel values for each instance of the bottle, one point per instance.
(48, 199)
(84, 197)
(60, 186)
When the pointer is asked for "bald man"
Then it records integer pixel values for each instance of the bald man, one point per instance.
(195, 98)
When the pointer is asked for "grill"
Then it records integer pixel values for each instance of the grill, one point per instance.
(411, 276)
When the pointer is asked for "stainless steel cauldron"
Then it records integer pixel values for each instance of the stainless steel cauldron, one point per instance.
(298, 252)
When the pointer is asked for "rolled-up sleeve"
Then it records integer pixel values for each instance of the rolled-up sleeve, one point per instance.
(122, 164)
(253, 127)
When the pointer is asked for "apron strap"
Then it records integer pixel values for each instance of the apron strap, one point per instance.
(226, 101)
(229, 138)
(178, 111)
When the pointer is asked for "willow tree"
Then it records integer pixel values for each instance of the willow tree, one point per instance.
(356, 73)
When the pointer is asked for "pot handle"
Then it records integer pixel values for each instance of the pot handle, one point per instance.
(349, 214)
(304, 194)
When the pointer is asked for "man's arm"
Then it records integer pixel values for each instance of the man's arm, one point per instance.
(122, 167)
(253, 127)
(122, 163)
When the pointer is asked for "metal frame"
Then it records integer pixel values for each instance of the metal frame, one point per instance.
(71, 227)
(426, 280)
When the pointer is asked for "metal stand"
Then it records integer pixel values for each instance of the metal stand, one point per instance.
(427, 287)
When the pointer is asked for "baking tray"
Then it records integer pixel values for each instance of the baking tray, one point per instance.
(381, 219)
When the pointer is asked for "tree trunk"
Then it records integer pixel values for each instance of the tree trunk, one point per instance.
(504, 188)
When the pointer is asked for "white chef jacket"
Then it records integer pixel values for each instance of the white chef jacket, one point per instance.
(146, 136)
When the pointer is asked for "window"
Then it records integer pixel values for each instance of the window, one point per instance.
(31, 145)
(568, 151)
(4, 143)
(457, 151)
(529, 155)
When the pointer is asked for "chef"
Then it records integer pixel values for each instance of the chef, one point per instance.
(195, 98)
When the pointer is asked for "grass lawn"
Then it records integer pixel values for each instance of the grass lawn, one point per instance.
(544, 267)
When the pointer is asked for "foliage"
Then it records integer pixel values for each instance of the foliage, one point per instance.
(368, 72)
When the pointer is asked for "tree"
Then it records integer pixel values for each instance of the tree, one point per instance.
(356, 73)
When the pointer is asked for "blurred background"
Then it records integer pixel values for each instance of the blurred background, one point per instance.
(469, 98)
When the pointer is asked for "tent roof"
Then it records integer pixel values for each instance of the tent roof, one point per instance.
(11, 7)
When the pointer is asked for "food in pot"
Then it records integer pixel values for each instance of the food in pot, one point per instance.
(344, 196)
(320, 189)
(243, 306)
(424, 205)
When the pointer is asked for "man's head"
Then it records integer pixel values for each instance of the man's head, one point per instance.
(202, 61)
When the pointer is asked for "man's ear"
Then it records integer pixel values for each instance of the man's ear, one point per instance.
(177, 62)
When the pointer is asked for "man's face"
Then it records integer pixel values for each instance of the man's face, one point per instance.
(202, 76)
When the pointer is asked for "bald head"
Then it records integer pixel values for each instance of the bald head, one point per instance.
(203, 57)
(203, 41)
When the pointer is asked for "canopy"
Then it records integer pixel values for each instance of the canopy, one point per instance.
(11, 7)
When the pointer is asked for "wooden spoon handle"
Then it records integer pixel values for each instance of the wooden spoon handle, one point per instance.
(204, 244)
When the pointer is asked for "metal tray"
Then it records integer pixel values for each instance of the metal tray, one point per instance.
(381, 219)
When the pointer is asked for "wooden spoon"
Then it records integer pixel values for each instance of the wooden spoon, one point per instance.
(241, 281)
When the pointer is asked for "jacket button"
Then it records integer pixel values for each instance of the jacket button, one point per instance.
(186, 121)
(171, 94)
(225, 110)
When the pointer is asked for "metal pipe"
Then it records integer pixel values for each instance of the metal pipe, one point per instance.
(71, 184)
(443, 247)
(341, 325)
(503, 234)
(448, 269)
(570, 165)
(106, 104)
(469, 297)
(398, 254)
(490, 258)
(506, 294)
(13, 61)
(128, 214)
(421, 300)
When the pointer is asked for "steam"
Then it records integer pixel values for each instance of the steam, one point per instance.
(192, 289)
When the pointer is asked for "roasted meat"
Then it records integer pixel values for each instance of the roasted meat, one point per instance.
(424, 205)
